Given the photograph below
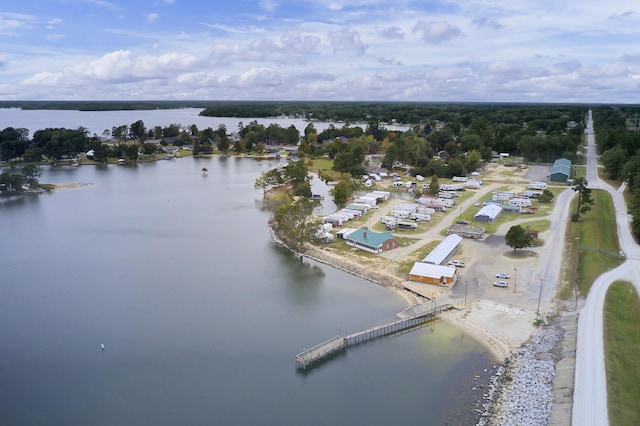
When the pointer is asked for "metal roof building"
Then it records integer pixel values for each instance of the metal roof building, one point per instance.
(432, 274)
(561, 170)
(444, 250)
(488, 213)
(373, 242)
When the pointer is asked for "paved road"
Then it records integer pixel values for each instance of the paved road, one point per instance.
(590, 392)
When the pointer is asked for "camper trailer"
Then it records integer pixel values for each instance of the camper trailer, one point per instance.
(419, 217)
(538, 185)
(407, 225)
(400, 214)
(520, 202)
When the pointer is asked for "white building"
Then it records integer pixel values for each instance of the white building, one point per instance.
(443, 251)
(488, 213)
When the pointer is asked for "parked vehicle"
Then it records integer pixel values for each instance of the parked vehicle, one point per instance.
(501, 284)
(462, 222)
(407, 225)
(503, 275)
(456, 263)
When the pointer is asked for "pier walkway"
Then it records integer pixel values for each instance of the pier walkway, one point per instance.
(337, 344)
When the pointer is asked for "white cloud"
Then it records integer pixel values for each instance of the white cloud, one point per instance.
(436, 31)
(13, 23)
(391, 33)
(54, 37)
(345, 40)
(389, 61)
(269, 5)
(368, 49)
(486, 22)
(294, 42)
(631, 57)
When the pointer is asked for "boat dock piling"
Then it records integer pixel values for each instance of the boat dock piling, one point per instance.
(336, 344)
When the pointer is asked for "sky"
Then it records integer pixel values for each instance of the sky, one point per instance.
(343, 50)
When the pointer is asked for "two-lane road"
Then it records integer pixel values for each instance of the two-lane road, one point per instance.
(590, 391)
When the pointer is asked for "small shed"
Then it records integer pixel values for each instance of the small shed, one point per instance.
(433, 274)
(561, 170)
(466, 231)
(342, 234)
(373, 242)
(488, 213)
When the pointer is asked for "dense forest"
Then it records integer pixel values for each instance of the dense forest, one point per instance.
(618, 140)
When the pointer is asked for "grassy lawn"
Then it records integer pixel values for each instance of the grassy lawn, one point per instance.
(405, 266)
(596, 239)
(316, 164)
(621, 346)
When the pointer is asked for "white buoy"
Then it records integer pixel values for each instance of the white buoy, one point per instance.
(102, 346)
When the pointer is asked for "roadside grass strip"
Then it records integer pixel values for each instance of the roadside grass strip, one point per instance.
(597, 240)
(621, 347)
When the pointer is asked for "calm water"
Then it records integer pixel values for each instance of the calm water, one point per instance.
(201, 314)
(98, 121)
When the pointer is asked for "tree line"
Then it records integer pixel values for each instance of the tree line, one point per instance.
(618, 141)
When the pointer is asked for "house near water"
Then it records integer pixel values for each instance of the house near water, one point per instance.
(373, 242)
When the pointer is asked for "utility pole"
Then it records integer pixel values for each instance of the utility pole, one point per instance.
(539, 297)
(515, 283)
(465, 293)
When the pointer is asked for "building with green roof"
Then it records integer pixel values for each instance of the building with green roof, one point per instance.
(373, 242)
(560, 171)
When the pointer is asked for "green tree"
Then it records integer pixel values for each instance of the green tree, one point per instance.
(138, 130)
(294, 220)
(310, 134)
(614, 160)
(546, 197)
(120, 132)
(221, 139)
(31, 173)
(11, 183)
(473, 160)
(296, 172)
(149, 148)
(269, 179)
(302, 189)
(343, 190)
(434, 186)
(517, 238)
(584, 198)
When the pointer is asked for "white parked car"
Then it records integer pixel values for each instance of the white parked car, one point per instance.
(456, 263)
(503, 275)
(502, 284)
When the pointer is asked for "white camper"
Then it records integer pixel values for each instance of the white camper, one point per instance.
(400, 214)
(538, 185)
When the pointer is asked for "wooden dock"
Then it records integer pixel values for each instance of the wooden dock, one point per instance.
(337, 344)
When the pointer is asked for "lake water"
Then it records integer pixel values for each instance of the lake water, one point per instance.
(200, 312)
(99, 121)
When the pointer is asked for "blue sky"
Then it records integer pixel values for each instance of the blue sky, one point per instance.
(463, 50)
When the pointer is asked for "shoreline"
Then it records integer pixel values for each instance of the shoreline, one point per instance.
(487, 405)
(494, 343)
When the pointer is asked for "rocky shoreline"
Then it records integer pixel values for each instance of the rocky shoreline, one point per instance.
(521, 391)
